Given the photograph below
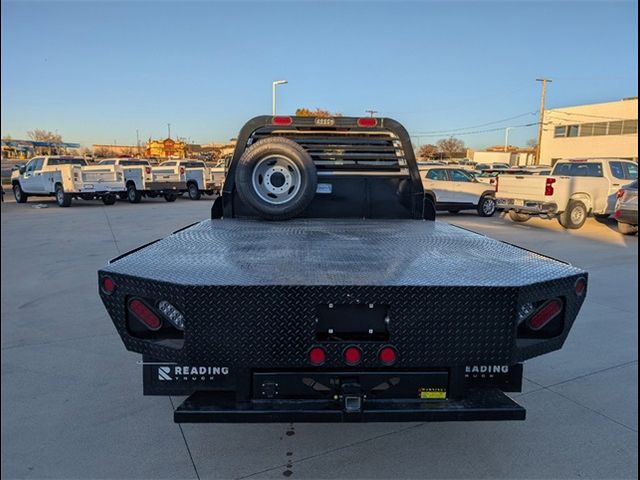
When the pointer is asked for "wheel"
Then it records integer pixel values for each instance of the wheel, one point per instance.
(133, 194)
(487, 206)
(62, 199)
(627, 229)
(194, 191)
(109, 199)
(574, 216)
(170, 197)
(454, 211)
(276, 177)
(19, 194)
(518, 217)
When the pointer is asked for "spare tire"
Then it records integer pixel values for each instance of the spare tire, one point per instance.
(276, 177)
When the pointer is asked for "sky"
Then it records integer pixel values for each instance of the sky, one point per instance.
(97, 71)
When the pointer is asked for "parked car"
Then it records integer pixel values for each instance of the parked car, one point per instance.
(626, 210)
(575, 189)
(455, 189)
(139, 180)
(67, 178)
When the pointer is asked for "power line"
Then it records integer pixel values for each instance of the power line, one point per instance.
(453, 130)
(564, 112)
(419, 135)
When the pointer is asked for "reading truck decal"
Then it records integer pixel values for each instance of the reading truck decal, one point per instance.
(184, 373)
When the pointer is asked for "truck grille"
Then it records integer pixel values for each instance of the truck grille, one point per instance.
(344, 150)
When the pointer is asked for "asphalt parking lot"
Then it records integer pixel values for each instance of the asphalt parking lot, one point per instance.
(72, 404)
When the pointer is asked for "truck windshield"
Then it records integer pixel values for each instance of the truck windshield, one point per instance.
(66, 161)
(576, 169)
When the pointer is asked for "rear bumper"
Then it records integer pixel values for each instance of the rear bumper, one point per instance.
(527, 206)
(216, 407)
(626, 216)
(166, 187)
(99, 188)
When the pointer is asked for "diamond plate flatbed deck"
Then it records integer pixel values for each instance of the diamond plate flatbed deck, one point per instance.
(338, 252)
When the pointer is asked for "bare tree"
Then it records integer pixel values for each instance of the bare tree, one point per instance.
(427, 152)
(532, 143)
(44, 136)
(318, 112)
(103, 152)
(450, 145)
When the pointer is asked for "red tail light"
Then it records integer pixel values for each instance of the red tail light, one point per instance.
(497, 183)
(367, 122)
(617, 214)
(147, 170)
(317, 356)
(182, 170)
(145, 314)
(388, 355)
(548, 188)
(352, 355)
(108, 285)
(545, 314)
(492, 181)
(620, 193)
(282, 120)
(581, 286)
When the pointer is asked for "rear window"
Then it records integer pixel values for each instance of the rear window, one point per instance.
(108, 162)
(67, 161)
(575, 169)
(168, 164)
(193, 164)
(128, 163)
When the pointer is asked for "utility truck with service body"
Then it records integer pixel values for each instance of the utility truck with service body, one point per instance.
(323, 290)
(198, 178)
(67, 178)
(140, 181)
(575, 189)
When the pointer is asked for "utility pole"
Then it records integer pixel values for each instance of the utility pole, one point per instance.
(542, 98)
(169, 129)
(371, 112)
(506, 138)
(138, 141)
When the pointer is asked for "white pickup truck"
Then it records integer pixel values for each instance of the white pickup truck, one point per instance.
(575, 189)
(67, 178)
(140, 180)
(197, 176)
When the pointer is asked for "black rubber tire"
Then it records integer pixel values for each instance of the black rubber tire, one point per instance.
(194, 191)
(109, 199)
(62, 199)
(170, 197)
(627, 229)
(519, 217)
(295, 154)
(19, 194)
(487, 206)
(566, 218)
(133, 194)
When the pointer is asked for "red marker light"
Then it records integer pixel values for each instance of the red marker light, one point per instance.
(317, 356)
(545, 314)
(147, 170)
(548, 188)
(108, 285)
(388, 355)
(367, 122)
(581, 286)
(352, 355)
(145, 314)
(282, 120)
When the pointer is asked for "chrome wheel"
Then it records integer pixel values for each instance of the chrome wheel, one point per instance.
(578, 214)
(60, 196)
(276, 179)
(489, 206)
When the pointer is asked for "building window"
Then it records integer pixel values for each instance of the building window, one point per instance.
(586, 129)
(560, 131)
(615, 128)
(572, 130)
(630, 126)
(600, 128)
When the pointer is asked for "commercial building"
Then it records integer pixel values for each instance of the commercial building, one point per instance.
(607, 130)
(167, 148)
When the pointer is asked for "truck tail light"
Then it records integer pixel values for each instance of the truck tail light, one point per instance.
(620, 193)
(282, 120)
(580, 286)
(182, 170)
(352, 355)
(617, 214)
(497, 183)
(545, 314)
(548, 188)
(172, 314)
(388, 355)
(108, 285)
(317, 356)
(145, 314)
(147, 170)
(367, 122)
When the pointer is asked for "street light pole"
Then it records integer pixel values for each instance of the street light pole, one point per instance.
(273, 94)
(542, 99)
(506, 138)
(371, 112)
